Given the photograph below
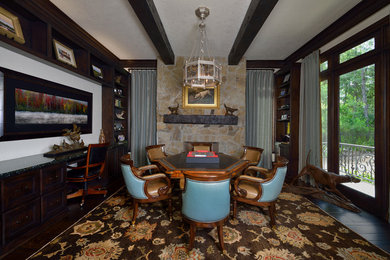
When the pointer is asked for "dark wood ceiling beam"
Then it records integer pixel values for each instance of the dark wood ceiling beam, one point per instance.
(357, 14)
(254, 19)
(138, 63)
(147, 14)
(264, 64)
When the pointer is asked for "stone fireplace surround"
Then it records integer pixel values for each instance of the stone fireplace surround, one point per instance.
(230, 137)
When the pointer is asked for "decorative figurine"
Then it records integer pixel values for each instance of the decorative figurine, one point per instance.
(102, 137)
(174, 110)
(229, 110)
(74, 137)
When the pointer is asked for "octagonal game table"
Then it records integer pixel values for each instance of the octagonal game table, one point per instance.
(176, 164)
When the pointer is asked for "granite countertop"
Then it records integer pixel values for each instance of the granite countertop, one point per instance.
(17, 166)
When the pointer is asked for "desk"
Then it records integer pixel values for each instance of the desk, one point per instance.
(33, 190)
(176, 164)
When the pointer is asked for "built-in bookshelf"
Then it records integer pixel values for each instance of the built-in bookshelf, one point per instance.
(287, 115)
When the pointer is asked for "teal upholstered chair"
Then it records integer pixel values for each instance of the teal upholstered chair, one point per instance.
(145, 189)
(260, 192)
(206, 202)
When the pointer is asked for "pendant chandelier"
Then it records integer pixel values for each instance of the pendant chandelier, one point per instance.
(201, 70)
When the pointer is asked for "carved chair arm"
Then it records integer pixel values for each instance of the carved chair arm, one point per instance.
(256, 182)
(155, 176)
(145, 168)
(148, 167)
(268, 173)
(164, 190)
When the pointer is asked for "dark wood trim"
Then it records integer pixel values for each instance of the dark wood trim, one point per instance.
(138, 63)
(262, 64)
(148, 16)
(360, 12)
(373, 30)
(52, 15)
(254, 19)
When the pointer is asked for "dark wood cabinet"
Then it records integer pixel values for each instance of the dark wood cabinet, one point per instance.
(19, 189)
(287, 116)
(53, 177)
(53, 203)
(22, 219)
(113, 171)
(30, 198)
(121, 87)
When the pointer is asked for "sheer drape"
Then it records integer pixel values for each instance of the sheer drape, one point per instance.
(310, 112)
(259, 112)
(143, 113)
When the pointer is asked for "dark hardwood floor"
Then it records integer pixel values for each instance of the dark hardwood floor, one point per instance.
(370, 227)
(373, 229)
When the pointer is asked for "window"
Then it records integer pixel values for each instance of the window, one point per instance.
(323, 66)
(358, 50)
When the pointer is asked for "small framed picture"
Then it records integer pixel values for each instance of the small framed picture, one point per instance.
(97, 72)
(10, 26)
(64, 53)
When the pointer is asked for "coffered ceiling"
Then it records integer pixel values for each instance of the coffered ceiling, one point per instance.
(289, 25)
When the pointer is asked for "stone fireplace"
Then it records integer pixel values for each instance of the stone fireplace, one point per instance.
(230, 137)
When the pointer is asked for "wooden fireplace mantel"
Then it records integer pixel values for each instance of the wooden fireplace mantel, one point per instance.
(201, 119)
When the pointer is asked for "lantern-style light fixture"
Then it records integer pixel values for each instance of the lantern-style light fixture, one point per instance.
(201, 69)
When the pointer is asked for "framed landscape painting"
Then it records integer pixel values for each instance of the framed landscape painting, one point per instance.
(39, 108)
(200, 97)
(10, 26)
(64, 53)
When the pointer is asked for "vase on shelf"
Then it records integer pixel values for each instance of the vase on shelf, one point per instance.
(102, 137)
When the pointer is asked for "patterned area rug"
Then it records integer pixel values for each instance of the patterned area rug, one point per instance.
(303, 231)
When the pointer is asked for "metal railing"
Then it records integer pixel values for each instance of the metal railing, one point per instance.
(355, 160)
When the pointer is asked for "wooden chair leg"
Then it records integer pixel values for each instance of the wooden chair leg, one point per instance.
(271, 208)
(220, 237)
(170, 209)
(83, 198)
(192, 237)
(135, 211)
(234, 209)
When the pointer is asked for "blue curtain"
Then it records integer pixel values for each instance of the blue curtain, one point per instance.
(259, 112)
(143, 113)
(310, 111)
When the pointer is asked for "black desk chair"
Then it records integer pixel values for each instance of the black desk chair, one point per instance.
(92, 170)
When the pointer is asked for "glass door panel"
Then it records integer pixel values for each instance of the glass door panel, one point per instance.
(357, 128)
(324, 123)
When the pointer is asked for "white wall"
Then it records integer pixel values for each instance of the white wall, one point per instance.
(14, 59)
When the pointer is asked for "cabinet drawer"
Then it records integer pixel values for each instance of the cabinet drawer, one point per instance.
(21, 220)
(19, 189)
(53, 177)
(53, 203)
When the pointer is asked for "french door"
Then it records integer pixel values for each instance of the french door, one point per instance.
(353, 100)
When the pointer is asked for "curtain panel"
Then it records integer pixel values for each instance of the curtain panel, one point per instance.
(143, 113)
(310, 112)
(259, 112)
